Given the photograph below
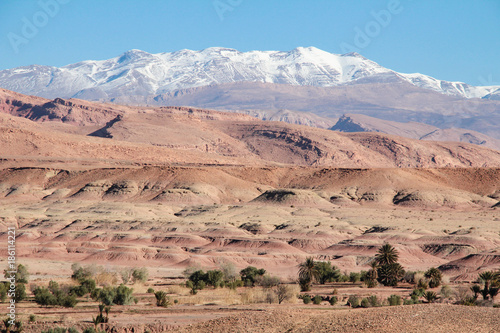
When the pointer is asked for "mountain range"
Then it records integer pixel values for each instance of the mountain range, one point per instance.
(305, 86)
(136, 72)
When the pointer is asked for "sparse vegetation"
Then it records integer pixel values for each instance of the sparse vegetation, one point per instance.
(121, 295)
(21, 275)
(434, 276)
(317, 299)
(250, 275)
(284, 292)
(162, 299)
(353, 301)
(394, 300)
(54, 296)
(140, 275)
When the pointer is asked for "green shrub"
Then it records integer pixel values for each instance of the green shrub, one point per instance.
(3, 291)
(214, 278)
(326, 272)
(54, 296)
(374, 302)
(44, 297)
(162, 299)
(430, 296)
(333, 300)
(304, 284)
(81, 273)
(365, 303)
(419, 292)
(268, 281)
(415, 299)
(61, 330)
(91, 330)
(21, 275)
(121, 295)
(53, 286)
(249, 275)
(317, 299)
(434, 276)
(140, 274)
(469, 301)
(20, 292)
(343, 278)
(306, 299)
(408, 301)
(32, 318)
(86, 286)
(354, 277)
(394, 300)
(56, 330)
(422, 284)
(150, 290)
(353, 301)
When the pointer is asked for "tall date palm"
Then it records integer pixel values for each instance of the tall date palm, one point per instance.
(387, 255)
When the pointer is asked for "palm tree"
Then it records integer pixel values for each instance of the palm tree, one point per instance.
(434, 275)
(487, 277)
(493, 292)
(308, 270)
(390, 274)
(372, 275)
(387, 255)
(430, 296)
(476, 289)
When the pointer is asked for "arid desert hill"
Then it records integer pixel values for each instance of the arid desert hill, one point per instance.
(169, 218)
(174, 187)
(104, 133)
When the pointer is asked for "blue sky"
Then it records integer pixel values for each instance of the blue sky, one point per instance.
(452, 40)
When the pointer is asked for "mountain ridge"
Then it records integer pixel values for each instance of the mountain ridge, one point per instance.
(93, 132)
(138, 72)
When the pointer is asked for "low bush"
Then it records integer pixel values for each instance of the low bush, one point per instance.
(317, 299)
(285, 292)
(162, 299)
(61, 330)
(53, 296)
(394, 300)
(333, 300)
(430, 296)
(365, 303)
(250, 274)
(121, 295)
(306, 299)
(354, 277)
(374, 301)
(140, 275)
(353, 301)
(408, 301)
(419, 292)
(268, 281)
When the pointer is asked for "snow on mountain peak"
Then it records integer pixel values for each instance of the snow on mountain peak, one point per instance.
(136, 72)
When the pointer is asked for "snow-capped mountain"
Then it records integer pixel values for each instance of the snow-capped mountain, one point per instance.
(137, 72)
